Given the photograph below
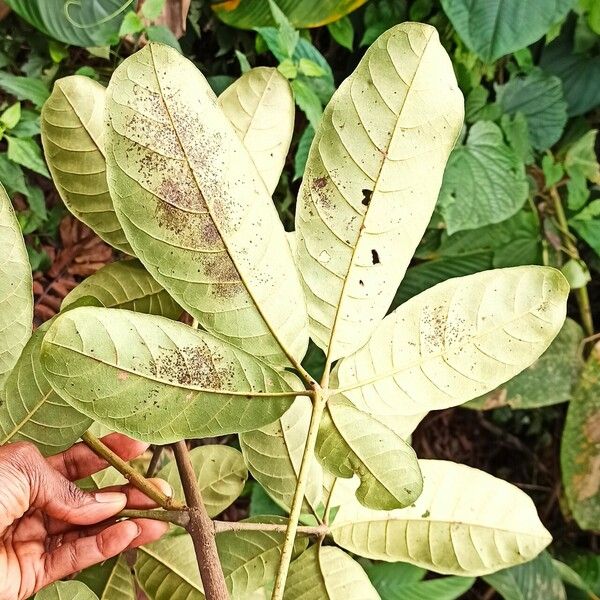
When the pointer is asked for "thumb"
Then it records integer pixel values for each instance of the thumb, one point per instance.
(58, 497)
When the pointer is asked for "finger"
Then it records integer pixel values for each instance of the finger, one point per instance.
(81, 553)
(79, 461)
(135, 499)
(40, 486)
(150, 531)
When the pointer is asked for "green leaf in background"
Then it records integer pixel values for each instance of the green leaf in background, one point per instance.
(474, 333)
(534, 580)
(308, 101)
(66, 590)
(478, 108)
(493, 523)
(274, 453)
(88, 23)
(220, 472)
(381, 15)
(426, 275)
(484, 181)
(73, 137)
(362, 212)
(12, 176)
(587, 225)
(539, 97)
(151, 9)
(553, 171)
(157, 379)
(27, 152)
(352, 441)
(123, 284)
(16, 297)
(132, 23)
(327, 572)
(28, 125)
(402, 581)
(547, 381)
(167, 569)
(11, 116)
(31, 411)
(248, 14)
(342, 31)
(580, 73)
(111, 580)
(580, 447)
(581, 159)
(587, 567)
(221, 255)
(302, 151)
(516, 132)
(494, 28)
(163, 35)
(24, 88)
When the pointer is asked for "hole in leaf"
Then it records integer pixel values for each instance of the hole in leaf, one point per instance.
(375, 256)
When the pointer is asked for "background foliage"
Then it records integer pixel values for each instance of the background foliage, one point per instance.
(522, 187)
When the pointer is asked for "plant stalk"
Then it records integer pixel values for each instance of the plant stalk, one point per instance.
(201, 529)
(153, 465)
(221, 526)
(581, 294)
(319, 402)
(177, 517)
(139, 481)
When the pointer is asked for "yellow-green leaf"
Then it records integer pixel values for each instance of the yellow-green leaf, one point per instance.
(215, 243)
(465, 522)
(31, 411)
(352, 441)
(274, 452)
(327, 573)
(66, 590)
(73, 127)
(371, 182)
(260, 106)
(111, 580)
(156, 379)
(16, 296)
(455, 341)
(221, 475)
(124, 284)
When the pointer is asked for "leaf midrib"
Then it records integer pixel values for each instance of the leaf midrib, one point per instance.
(208, 208)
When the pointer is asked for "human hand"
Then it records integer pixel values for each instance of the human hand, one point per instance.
(50, 528)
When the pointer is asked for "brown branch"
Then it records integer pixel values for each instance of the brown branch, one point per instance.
(177, 517)
(201, 529)
(139, 481)
(153, 466)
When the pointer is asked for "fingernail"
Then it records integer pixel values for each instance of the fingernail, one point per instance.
(163, 486)
(110, 497)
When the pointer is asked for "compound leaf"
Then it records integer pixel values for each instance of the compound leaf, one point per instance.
(124, 284)
(371, 182)
(326, 572)
(465, 522)
(216, 244)
(157, 379)
(260, 107)
(73, 130)
(274, 452)
(30, 410)
(221, 475)
(352, 441)
(16, 296)
(456, 341)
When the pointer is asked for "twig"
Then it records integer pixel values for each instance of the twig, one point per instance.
(139, 481)
(581, 294)
(319, 402)
(221, 526)
(154, 461)
(201, 529)
(177, 517)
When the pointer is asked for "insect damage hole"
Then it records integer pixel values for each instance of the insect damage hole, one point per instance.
(375, 257)
(366, 196)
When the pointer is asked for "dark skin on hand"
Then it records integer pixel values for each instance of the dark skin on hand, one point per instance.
(50, 528)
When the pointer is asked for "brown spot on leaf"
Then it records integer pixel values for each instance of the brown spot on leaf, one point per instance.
(375, 257)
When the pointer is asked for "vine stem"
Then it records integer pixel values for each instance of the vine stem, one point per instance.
(581, 294)
(319, 402)
(200, 528)
(135, 478)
